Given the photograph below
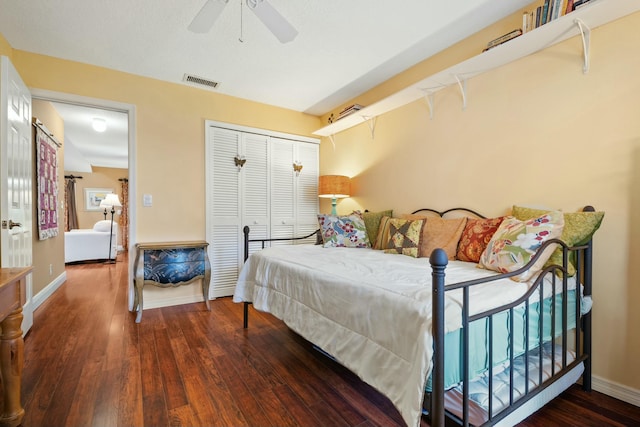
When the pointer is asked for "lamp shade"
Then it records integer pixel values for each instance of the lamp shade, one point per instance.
(334, 186)
(111, 200)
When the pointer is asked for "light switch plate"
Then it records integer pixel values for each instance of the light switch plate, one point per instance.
(147, 200)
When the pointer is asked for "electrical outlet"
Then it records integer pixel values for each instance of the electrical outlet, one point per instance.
(50, 269)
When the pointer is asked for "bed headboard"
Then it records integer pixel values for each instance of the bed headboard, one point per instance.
(450, 213)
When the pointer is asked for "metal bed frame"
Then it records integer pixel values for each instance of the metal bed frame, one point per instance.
(435, 402)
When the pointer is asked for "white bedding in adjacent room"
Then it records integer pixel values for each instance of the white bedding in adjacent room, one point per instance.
(370, 310)
(92, 243)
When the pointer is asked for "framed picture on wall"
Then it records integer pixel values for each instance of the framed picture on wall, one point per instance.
(93, 197)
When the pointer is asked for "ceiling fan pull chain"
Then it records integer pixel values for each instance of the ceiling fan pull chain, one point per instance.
(241, 27)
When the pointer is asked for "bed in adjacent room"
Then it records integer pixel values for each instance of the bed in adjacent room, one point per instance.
(92, 244)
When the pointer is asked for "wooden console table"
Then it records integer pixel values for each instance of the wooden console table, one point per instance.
(170, 264)
(13, 283)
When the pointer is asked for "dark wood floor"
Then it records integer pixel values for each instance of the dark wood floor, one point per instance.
(87, 363)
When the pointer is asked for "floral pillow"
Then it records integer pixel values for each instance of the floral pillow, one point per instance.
(343, 231)
(516, 242)
(579, 228)
(402, 236)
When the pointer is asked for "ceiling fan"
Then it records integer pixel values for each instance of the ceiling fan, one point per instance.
(269, 16)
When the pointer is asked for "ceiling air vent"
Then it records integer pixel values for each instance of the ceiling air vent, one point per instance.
(189, 78)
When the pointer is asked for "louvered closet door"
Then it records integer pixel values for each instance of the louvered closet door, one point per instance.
(283, 215)
(265, 194)
(307, 189)
(294, 198)
(224, 228)
(255, 187)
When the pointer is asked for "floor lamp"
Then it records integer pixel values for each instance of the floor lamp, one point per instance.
(111, 201)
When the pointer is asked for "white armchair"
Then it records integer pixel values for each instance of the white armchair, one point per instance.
(92, 243)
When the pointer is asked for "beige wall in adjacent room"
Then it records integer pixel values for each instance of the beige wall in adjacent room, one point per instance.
(48, 255)
(535, 132)
(106, 178)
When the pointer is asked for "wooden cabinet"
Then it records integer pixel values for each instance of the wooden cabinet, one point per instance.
(171, 264)
(251, 181)
(13, 284)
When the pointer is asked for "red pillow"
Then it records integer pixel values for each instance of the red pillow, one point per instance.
(475, 238)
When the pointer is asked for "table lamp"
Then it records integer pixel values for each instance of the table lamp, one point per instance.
(334, 187)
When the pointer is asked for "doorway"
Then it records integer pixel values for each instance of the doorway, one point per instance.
(67, 102)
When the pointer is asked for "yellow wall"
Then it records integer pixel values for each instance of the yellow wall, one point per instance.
(5, 47)
(48, 254)
(535, 132)
(169, 134)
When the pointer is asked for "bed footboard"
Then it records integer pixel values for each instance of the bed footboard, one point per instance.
(263, 243)
(437, 403)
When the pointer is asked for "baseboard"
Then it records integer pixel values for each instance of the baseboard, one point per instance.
(167, 302)
(44, 294)
(614, 389)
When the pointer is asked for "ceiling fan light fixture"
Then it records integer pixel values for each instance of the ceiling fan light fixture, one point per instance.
(273, 20)
(99, 124)
(207, 16)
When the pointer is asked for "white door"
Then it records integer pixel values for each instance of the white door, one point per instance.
(237, 195)
(15, 178)
(307, 190)
(223, 209)
(254, 188)
(294, 194)
(283, 208)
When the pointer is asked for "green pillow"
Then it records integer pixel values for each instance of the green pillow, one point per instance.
(372, 223)
(578, 229)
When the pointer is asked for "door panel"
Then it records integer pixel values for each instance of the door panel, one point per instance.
(15, 178)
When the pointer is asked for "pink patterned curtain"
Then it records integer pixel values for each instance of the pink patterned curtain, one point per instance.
(124, 217)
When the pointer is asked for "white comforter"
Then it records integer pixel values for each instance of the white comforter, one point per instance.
(370, 310)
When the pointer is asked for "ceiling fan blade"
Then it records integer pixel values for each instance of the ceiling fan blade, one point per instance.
(273, 20)
(207, 16)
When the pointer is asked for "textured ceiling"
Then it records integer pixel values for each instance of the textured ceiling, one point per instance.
(343, 47)
(85, 148)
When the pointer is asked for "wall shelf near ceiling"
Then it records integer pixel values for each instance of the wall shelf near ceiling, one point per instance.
(579, 22)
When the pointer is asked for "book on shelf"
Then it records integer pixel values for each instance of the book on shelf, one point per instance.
(577, 4)
(555, 13)
(349, 110)
(548, 11)
(503, 39)
(351, 107)
(545, 12)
